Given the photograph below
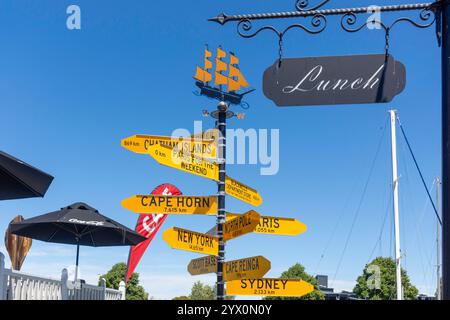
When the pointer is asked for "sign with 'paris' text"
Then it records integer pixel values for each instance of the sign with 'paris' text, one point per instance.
(334, 80)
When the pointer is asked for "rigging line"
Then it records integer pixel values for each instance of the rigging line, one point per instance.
(419, 239)
(341, 215)
(420, 172)
(428, 256)
(381, 230)
(360, 202)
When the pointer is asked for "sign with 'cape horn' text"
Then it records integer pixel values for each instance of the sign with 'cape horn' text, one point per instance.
(334, 80)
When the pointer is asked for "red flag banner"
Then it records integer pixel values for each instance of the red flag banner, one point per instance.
(147, 226)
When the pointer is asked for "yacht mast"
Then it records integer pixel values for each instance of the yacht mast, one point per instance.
(395, 195)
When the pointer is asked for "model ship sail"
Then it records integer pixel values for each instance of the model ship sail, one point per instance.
(234, 81)
(204, 75)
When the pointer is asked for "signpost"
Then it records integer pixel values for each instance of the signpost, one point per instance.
(183, 239)
(334, 80)
(242, 192)
(269, 287)
(198, 147)
(240, 225)
(247, 268)
(171, 204)
(204, 154)
(276, 225)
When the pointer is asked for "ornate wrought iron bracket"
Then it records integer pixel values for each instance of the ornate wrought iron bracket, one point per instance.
(429, 15)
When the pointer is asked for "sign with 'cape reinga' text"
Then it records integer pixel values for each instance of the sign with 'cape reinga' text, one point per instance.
(247, 268)
(334, 80)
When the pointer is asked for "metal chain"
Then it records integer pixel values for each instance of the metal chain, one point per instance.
(280, 50)
(387, 36)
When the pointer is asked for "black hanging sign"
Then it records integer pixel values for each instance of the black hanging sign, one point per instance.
(334, 80)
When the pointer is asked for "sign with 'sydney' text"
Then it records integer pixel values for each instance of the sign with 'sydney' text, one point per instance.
(171, 204)
(269, 287)
(242, 192)
(188, 240)
(276, 225)
(247, 268)
(187, 163)
(334, 80)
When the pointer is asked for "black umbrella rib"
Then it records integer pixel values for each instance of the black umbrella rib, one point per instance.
(20, 181)
(62, 226)
(54, 233)
(92, 238)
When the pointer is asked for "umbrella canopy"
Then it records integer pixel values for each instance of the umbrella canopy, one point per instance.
(77, 224)
(19, 180)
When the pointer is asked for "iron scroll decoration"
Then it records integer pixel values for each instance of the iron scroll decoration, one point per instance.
(319, 22)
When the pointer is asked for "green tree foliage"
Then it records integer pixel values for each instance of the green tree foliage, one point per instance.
(366, 287)
(202, 291)
(297, 271)
(134, 291)
(182, 298)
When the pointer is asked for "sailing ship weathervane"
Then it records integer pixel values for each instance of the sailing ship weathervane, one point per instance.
(224, 87)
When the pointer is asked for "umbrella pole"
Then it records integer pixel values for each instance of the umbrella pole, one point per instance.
(76, 263)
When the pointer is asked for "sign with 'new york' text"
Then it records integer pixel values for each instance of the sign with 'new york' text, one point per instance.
(334, 80)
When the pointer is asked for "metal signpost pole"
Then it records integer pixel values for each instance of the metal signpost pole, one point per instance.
(221, 126)
(445, 9)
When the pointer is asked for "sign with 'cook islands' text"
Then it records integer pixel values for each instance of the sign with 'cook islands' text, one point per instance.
(334, 80)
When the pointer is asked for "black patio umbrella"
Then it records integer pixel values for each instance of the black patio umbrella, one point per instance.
(19, 180)
(77, 224)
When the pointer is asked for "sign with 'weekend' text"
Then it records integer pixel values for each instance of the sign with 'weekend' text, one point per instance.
(334, 80)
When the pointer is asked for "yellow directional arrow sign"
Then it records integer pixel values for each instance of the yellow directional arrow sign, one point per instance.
(240, 225)
(276, 225)
(171, 204)
(269, 287)
(242, 192)
(202, 265)
(248, 268)
(191, 241)
(198, 147)
(187, 163)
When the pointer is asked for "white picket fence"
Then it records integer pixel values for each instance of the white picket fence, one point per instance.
(15, 285)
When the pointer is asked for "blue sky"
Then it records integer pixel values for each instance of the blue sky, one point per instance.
(68, 98)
